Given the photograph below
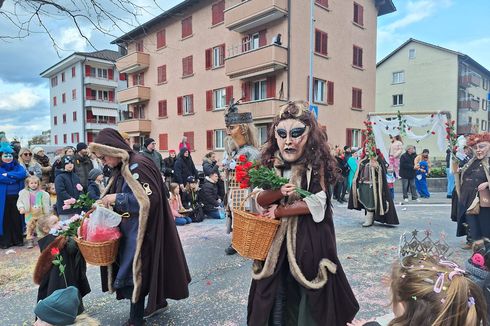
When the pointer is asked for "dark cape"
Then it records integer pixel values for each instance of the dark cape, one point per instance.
(159, 265)
(332, 304)
(388, 213)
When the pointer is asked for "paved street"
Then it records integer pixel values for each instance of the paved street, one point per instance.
(220, 283)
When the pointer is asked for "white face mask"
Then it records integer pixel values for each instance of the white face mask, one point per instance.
(291, 136)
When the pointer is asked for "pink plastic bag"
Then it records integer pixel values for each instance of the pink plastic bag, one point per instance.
(102, 234)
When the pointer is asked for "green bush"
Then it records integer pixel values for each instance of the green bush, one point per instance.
(437, 173)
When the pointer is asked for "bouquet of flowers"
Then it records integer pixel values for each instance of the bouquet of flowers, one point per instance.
(251, 174)
(83, 201)
(452, 138)
(370, 145)
(69, 227)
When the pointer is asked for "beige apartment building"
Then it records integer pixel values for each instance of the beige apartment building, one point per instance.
(421, 77)
(185, 65)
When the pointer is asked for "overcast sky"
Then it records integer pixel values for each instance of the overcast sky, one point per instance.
(24, 95)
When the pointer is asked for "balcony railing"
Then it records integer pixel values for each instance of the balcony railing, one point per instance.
(247, 63)
(133, 62)
(135, 126)
(133, 94)
(469, 104)
(91, 80)
(468, 129)
(247, 15)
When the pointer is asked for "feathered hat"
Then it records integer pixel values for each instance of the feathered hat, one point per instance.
(232, 117)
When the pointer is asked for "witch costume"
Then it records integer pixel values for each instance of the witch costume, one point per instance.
(151, 261)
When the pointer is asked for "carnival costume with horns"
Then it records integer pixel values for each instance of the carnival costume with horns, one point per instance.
(301, 281)
(151, 260)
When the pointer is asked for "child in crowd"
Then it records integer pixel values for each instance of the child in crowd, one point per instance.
(190, 200)
(34, 203)
(478, 269)
(51, 190)
(176, 205)
(421, 177)
(68, 186)
(429, 291)
(95, 183)
(390, 180)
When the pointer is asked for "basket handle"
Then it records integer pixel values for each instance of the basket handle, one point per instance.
(242, 204)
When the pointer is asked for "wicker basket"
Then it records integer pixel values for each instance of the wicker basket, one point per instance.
(252, 234)
(98, 253)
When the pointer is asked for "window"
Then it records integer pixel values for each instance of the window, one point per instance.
(411, 54)
(55, 120)
(357, 56)
(163, 142)
(54, 81)
(73, 71)
(122, 76)
(254, 41)
(358, 14)
(139, 79)
(75, 137)
(219, 99)
(162, 108)
(262, 133)
(218, 56)
(259, 90)
(219, 136)
(65, 139)
(63, 77)
(102, 73)
(73, 94)
(356, 98)
(187, 27)
(355, 138)
(102, 95)
(188, 104)
(139, 46)
(330, 91)
(187, 68)
(74, 116)
(161, 42)
(319, 90)
(63, 98)
(321, 40)
(162, 74)
(323, 3)
(218, 12)
(56, 139)
(54, 101)
(397, 99)
(485, 83)
(64, 117)
(398, 77)
(483, 125)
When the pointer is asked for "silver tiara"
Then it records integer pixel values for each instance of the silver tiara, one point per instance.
(413, 244)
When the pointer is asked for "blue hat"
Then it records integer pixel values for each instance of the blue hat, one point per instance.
(60, 308)
(6, 148)
(191, 179)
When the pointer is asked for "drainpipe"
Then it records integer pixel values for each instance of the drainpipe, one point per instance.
(84, 96)
(310, 80)
(289, 50)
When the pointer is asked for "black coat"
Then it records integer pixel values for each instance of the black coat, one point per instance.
(93, 190)
(183, 168)
(407, 165)
(209, 195)
(83, 165)
(65, 184)
(168, 166)
(209, 167)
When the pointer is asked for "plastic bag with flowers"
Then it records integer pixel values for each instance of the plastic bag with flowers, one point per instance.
(101, 225)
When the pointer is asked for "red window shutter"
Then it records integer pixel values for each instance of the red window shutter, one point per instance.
(63, 97)
(192, 103)
(110, 74)
(55, 120)
(208, 59)
(187, 27)
(162, 108)
(87, 70)
(163, 142)
(190, 139)
(184, 67)
(318, 41)
(246, 91)
(354, 98)
(90, 137)
(271, 87)
(348, 137)
(122, 76)
(209, 139)
(74, 115)
(359, 98)
(90, 115)
(54, 101)
(330, 92)
(209, 100)
(135, 79)
(361, 15)
(190, 68)
(161, 39)
(229, 94)
(72, 137)
(179, 105)
(324, 43)
(73, 71)
(56, 139)
(218, 14)
(262, 38)
(360, 57)
(111, 96)
(245, 44)
(222, 54)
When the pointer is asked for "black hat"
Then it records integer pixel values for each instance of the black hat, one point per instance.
(191, 179)
(66, 160)
(148, 141)
(232, 117)
(81, 146)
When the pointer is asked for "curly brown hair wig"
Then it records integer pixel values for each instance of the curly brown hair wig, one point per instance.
(478, 138)
(317, 152)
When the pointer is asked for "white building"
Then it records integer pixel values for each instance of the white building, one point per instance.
(82, 96)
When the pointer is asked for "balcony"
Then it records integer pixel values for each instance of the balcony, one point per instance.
(469, 79)
(99, 124)
(464, 81)
(94, 81)
(133, 94)
(135, 127)
(469, 104)
(106, 104)
(468, 129)
(133, 62)
(247, 15)
(255, 62)
(263, 109)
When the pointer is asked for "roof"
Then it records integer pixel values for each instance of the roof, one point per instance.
(462, 56)
(108, 55)
(384, 7)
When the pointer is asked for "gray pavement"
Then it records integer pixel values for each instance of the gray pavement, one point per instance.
(219, 287)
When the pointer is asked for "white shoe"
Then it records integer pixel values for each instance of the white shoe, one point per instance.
(406, 200)
(369, 219)
(418, 200)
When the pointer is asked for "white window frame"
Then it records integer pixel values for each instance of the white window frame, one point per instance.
(102, 95)
(186, 104)
(262, 131)
(217, 56)
(398, 77)
(219, 99)
(356, 134)
(412, 54)
(319, 87)
(102, 73)
(397, 100)
(484, 125)
(262, 89)
(254, 41)
(219, 138)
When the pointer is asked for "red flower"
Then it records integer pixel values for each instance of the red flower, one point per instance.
(248, 165)
(373, 149)
(433, 132)
(242, 158)
(55, 251)
(239, 168)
